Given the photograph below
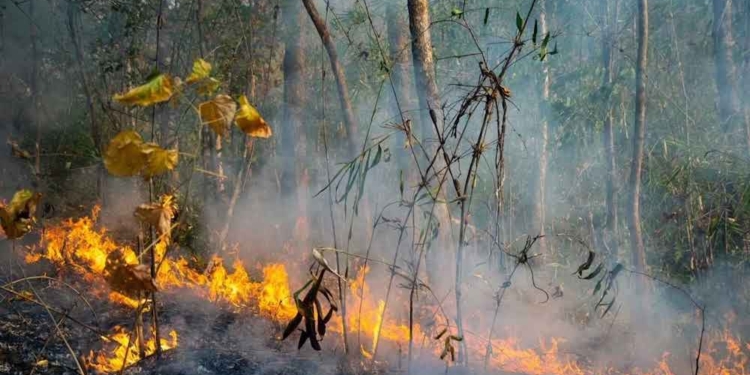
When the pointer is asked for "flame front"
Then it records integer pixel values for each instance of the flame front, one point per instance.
(127, 352)
(77, 244)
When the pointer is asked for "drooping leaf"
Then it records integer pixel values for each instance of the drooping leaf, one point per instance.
(127, 278)
(249, 120)
(293, 324)
(457, 12)
(124, 155)
(218, 113)
(587, 264)
(208, 86)
(158, 89)
(158, 160)
(159, 215)
(534, 34)
(201, 70)
(486, 15)
(18, 216)
(18, 152)
(519, 22)
(594, 273)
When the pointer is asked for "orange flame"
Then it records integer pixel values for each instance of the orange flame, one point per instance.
(127, 351)
(79, 245)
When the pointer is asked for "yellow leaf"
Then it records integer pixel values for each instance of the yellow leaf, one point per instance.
(201, 70)
(249, 120)
(17, 217)
(218, 113)
(157, 90)
(159, 215)
(124, 156)
(158, 160)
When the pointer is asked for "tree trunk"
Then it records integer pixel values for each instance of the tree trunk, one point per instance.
(729, 107)
(338, 73)
(638, 252)
(398, 42)
(424, 61)
(541, 182)
(34, 86)
(610, 23)
(294, 99)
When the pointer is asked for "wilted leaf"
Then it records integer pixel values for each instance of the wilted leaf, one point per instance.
(208, 86)
(18, 216)
(159, 215)
(158, 160)
(124, 156)
(249, 120)
(127, 278)
(157, 90)
(201, 70)
(218, 113)
(18, 152)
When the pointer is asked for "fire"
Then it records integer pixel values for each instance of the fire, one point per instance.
(78, 244)
(127, 352)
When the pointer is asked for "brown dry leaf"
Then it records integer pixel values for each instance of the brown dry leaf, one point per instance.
(159, 215)
(218, 113)
(249, 120)
(18, 152)
(156, 90)
(158, 160)
(17, 217)
(124, 156)
(126, 278)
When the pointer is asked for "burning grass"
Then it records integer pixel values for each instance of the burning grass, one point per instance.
(78, 245)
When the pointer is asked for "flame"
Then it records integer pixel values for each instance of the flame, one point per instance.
(79, 245)
(127, 351)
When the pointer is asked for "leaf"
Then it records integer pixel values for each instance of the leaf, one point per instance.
(218, 113)
(156, 90)
(533, 36)
(293, 324)
(159, 215)
(126, 278)
(593, 274)
(587, 264)
(18, 216)
(158, 160)
(208, 86)
(201, 70)
(457, 12)
(439, 335)
(18, 152)
(124, 156)
(249, 120)
(519, 22)
(486, 15)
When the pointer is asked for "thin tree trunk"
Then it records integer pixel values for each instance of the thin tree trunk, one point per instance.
(34, 86)
(638, 252)
(294, 99)
(541, 183)
(424, 61)
(398, 42)
(73, 16)
(610, 23)
(338, 73)
(729, 108)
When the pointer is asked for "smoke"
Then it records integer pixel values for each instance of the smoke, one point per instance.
(270, 226)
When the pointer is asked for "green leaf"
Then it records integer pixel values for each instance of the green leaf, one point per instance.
(593, 274)
(519, 22)
(486, 15)
(533, 36)
(457, 12)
